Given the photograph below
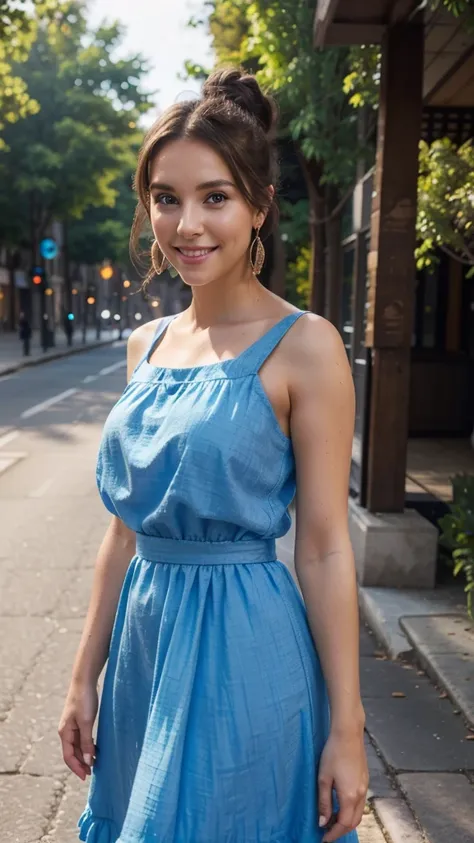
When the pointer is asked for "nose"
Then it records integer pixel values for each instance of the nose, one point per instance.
(190, 222)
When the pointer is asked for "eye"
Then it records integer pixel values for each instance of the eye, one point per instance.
(216, 198)
(164, 199)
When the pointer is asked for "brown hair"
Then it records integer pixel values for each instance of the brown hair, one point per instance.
(237, 120)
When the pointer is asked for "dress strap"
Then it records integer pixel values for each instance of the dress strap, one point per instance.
(251, 360)
(160, 329)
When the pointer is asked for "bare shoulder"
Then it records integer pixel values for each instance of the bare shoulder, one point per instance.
(138, 342)
(314, 340)
(316, 354)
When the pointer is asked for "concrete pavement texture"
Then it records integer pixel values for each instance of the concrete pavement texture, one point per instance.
(52, 526)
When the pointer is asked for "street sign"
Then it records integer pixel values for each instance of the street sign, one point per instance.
(48, 248)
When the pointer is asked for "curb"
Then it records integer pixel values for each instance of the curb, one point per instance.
(400, 644)
(397, 820)
(393, 639)
(56, 355)
(439, 676)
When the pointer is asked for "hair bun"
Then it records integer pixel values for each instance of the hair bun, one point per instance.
(244, 90)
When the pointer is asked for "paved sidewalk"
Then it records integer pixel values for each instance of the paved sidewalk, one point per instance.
(11, 348)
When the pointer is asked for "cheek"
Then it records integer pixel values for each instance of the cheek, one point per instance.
(233, 229)
(162, 224)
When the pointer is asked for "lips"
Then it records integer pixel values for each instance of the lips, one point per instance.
(196, 253)
(192, 257)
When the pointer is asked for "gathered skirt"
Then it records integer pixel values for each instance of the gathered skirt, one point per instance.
(214, 709)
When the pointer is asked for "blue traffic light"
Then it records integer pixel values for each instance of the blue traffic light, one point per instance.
(70, 316)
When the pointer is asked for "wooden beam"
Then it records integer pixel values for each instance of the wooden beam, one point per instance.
(345, 34)
(391, 263)
(325, 10)
(402, 9)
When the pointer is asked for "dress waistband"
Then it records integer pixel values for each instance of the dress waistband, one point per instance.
(183, 552)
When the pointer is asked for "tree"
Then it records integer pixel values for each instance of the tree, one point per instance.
(69, 155)
(446, 202)
(18, 30)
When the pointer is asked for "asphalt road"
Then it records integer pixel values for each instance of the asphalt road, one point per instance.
(51, 524)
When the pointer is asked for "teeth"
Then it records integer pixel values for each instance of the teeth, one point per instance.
(195, 253)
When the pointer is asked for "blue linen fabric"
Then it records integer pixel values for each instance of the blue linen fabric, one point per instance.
(214, 709)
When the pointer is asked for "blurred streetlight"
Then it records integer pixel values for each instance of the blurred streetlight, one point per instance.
(117, 317)
(138, 317)
(127, 283)
(105, 314)
(91, 300)
(106, 272)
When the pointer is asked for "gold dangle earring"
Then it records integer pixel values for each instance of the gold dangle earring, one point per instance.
(158, 259)
(257, 262)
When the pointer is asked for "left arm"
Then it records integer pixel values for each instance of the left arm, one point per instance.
(322, 426)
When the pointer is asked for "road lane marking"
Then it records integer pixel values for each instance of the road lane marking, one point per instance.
(106, 371)
(7, 460)
(8, 437)
(38, 493)
(113, 368)
(38, 408)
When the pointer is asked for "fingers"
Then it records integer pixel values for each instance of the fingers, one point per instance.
(69, 737)
(87, 747)
(324, 800)
(338, 830)
(348, 817)
(359, 810)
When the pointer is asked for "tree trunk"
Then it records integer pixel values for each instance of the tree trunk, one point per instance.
(317, 267)
(11, 322)
(67, 285)
(333, 264)
(277, 278)
(313, 173)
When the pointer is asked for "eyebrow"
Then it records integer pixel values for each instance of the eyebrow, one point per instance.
(205, 185)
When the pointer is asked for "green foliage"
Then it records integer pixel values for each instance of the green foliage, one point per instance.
(445, 202)
(17, 34)
(298, 286)
(362, 82)
(70, 155)
(458, 532)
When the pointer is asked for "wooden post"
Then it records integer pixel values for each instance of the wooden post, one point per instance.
(391, 263)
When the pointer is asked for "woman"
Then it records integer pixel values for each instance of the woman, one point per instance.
(229, 714)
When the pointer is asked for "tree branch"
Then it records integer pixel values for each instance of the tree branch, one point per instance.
(469, 261)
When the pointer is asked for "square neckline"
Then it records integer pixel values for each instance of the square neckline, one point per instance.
(218, 364)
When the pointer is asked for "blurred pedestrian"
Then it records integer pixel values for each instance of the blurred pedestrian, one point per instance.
(68, 328)
(230, 712)
(24, 331)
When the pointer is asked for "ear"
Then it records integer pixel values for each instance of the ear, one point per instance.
(261, 216)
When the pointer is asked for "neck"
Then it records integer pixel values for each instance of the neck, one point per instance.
(227, 300)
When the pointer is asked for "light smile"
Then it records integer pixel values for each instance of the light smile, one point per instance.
(195, 253)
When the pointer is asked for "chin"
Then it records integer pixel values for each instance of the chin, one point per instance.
(191, 280)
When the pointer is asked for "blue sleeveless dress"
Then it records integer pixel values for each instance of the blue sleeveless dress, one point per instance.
(214, 709)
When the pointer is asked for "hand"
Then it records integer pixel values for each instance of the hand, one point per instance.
(343, 766)
(75, 728)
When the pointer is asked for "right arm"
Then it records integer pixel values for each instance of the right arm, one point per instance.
(114, 556)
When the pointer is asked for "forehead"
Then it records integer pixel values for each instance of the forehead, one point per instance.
(188, 163)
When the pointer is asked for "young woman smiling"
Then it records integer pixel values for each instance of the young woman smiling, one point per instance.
(231, 709)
